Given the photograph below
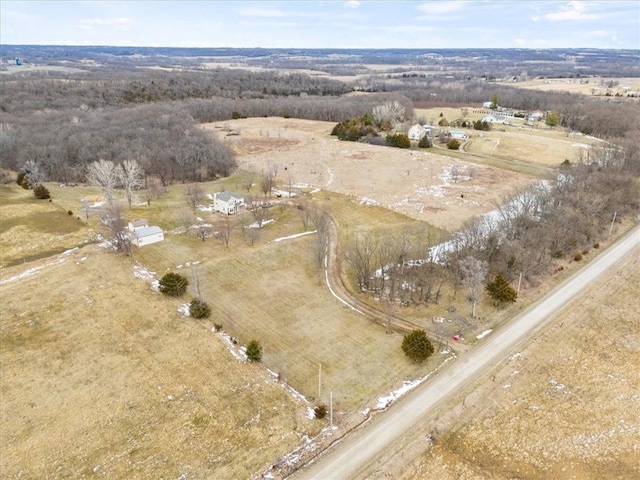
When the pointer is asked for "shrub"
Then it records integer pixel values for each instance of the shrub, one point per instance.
(173, 284)
(41, 192)
(69, 212)
(398, 140)
(444, 122)
(199, 308)
(453, 144)
(577, 257)
(254, 351)
(20, 178)
(425, 142)
(320, 411)
(217, 327)
(417, 346)
(501, 291)
(25, 183)
(596, 245)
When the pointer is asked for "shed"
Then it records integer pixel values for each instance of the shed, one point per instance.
(137, 224)
(459, 134)
(147, 235)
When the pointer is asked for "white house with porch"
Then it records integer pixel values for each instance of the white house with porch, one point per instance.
(228, 203)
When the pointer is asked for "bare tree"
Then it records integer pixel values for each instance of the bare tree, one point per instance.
(473, 272)
(115, 227)
(389, 112)
(223, 230)
(33, 171)
(154, 190)
(258, 211)
(130, 174)
(103, 174)
(193, 195)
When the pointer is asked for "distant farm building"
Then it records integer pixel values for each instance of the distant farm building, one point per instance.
(457, 134)
(416, 132)
(228, 203)
(535, 116)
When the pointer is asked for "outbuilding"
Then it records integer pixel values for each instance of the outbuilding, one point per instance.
(147, 235)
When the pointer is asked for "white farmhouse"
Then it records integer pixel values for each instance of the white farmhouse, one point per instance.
(147, 235)
(416, 132)
(228, 203)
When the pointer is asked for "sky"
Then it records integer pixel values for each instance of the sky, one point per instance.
(324, 24)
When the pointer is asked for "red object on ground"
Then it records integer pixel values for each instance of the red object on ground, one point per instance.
(456, 337)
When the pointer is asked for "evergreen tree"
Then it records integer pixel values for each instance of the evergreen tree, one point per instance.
(41, 192)
(417, 346)
(254, 351)
(173, 284)
(501, 291)
(199, 308)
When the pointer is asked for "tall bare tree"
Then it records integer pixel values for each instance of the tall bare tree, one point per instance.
(154, 189)
(131, 176)
(103, 174)
(473, 272)
(115, 227)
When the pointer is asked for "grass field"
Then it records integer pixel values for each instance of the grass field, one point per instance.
(589, 86)
(565, 407)
(101, 375)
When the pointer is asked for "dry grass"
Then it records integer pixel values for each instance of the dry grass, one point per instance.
(102, 375)
(567, 406)
(595, 86)
(413, 183)
(32, 228)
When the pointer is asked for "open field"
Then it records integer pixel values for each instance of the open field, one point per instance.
(565, 407)
(415, 183)
(101, 375)
(586, 86)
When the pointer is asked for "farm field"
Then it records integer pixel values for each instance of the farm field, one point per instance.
(588, 86)
(102, 376)
(414, 183)
(565, 407)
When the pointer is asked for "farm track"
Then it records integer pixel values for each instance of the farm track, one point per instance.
(512, 165)
(335, 283)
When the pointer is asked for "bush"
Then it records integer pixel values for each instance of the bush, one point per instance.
(173, 284)
(254, 351)
(417, 346)
(69, 212)
(320, 411)
(199, 308)
(41, 192)
(398, 140)
(577, 257)
(20, 178)
(25, 183)
(453, 144)
(217, 327)
(425, 142)
(501, 291)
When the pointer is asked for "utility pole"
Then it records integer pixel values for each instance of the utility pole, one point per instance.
(331, 410)
(519, 283)
(612, 222)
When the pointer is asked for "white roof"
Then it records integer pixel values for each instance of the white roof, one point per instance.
(147, 231)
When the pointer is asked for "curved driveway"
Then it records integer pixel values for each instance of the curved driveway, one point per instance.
(352, 455)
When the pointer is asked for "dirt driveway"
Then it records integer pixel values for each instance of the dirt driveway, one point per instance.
(427, 186)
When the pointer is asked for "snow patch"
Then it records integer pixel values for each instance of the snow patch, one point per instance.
(34, 270)
(293, 236)
(184, 310)
(484, 334)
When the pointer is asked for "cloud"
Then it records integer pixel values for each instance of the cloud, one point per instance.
(572, 11)
(262, 12)
(352, 4)
(441, 8)
(121, 23)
